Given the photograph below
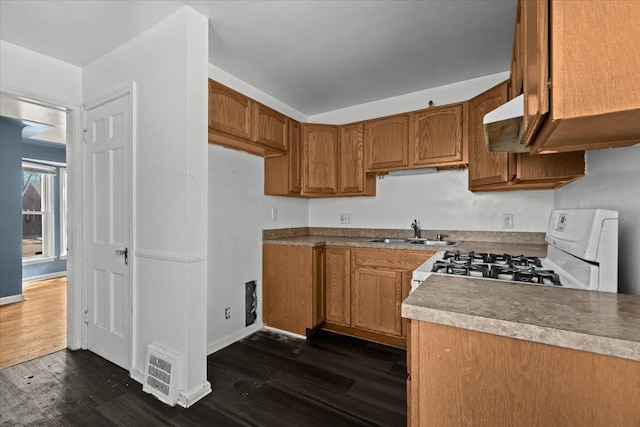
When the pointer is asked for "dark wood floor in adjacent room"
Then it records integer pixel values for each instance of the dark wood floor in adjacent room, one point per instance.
(266, 379)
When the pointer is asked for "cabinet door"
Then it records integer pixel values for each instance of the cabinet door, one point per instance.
(484, 167)
(287, 287)
(317, 311)
(282, 173)
(320, 153)
(338, 286)
(270, 127)
(515, 76)
(376, 300)
(387, 143)
(351, 155)
(535, 28)
(230, 111)
(439, 135)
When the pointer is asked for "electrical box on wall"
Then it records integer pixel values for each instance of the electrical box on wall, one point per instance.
(251, 302)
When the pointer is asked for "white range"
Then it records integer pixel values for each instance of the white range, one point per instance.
(582, 254)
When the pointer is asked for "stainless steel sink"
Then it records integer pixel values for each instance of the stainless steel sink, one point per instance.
(415, 241)
(389, 240)
(435, 242)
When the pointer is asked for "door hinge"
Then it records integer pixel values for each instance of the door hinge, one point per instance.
(85, 137)
(86, 317)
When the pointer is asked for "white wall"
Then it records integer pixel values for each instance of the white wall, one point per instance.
(438, 201)
(238, 85)
(169, 65)
(32, 74)
(613, 182)
(441, 95)
(238, 212)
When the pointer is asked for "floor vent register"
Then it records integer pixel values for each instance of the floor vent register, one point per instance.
(160, 374)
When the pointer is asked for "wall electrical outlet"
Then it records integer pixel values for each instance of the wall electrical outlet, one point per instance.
(507, 220)
(227, 313)
(345, 218)
(274, 214)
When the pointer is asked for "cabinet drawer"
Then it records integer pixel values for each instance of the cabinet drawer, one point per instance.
(403, 260)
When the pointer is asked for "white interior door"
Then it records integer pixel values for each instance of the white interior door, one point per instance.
(108, 190)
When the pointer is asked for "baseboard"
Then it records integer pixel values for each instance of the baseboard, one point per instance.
(226, 341)
(188, 399)
(11, 299)
(281, 332)
(184, 399)
(392, 340)
(32, 279)
(137, 375)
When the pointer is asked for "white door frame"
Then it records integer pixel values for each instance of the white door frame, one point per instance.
(131, 91)
(75, 241)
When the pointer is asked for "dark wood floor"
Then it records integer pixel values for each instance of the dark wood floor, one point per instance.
(266, 379)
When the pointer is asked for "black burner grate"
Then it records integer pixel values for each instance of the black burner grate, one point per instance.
(519, 268)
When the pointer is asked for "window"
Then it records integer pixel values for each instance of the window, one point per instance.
(63, 212)
(38, 230)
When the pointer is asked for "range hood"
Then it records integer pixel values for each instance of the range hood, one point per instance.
(503, 127)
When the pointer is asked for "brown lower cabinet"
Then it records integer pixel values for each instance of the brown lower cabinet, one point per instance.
(364, 291)
(338, 285)
(293, 287)
(462, 377)
(353, 291)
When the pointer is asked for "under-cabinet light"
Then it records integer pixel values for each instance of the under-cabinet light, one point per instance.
(421, 171)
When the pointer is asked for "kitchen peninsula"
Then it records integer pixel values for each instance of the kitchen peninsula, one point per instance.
(482, 351)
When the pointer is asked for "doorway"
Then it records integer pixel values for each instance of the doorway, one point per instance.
(36, 169)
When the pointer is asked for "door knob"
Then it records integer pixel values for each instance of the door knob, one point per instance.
(125, 252)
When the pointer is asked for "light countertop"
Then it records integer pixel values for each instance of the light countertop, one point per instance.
(591, 321)
(530, 249)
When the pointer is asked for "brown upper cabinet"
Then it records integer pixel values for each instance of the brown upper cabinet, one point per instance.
(439, 136)
(229, 111)
(515, 79)
(580, 74)
(510, 171)
(237, 121)
(323, 161)
(436, 136)
(270, 128)
(320, 159)
(352, 178)
(283, 174)
(387, 143)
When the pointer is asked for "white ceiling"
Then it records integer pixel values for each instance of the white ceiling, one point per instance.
(315, 56)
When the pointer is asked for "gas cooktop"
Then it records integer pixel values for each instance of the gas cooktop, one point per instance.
(582, 253)
(517, 268)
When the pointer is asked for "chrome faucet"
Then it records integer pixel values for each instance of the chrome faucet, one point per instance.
(416, 229)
